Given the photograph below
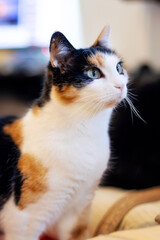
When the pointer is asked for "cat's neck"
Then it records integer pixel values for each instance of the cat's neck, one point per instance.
(56, 116)
(51, 125)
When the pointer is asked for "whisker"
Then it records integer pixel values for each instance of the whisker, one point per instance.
(86, 97)
(95, 110)
(85, 107)
(99, 108)
(133, 96)
(102, 106)
(135, 111)
(93, 107)
(120, 105)
(130, 108)
(96, 98)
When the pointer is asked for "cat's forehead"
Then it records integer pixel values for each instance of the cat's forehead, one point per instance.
(103, 59)
(99, 57)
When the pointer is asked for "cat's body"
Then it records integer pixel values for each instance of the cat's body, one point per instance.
(61, 189)
(56, 154)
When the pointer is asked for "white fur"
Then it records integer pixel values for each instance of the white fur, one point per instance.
(75, 158)
(72, 143)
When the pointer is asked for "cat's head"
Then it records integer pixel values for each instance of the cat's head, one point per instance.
(92, 77)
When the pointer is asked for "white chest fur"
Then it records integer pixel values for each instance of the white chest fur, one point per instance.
(75, 155)
(72, 146)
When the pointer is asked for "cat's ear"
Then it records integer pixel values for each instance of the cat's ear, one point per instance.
(103, 38)
(59, 49)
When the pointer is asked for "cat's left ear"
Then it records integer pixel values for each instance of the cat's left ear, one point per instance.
(103, 38)
(60, 48)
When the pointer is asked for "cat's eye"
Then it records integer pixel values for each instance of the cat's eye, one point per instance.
(94, 73)
(119, 68)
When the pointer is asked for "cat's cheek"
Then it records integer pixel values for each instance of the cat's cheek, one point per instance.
(66, 95)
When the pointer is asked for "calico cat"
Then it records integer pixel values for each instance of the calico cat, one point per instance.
(52, 159)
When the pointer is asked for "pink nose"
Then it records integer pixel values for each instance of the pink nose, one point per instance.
(119, 86)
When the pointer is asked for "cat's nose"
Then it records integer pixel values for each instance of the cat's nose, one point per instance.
(120, 86)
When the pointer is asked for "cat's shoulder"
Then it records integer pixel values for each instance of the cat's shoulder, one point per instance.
(5, 121)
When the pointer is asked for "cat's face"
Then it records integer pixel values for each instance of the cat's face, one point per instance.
(92, 77)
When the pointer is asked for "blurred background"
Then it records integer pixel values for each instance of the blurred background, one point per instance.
(26, 27)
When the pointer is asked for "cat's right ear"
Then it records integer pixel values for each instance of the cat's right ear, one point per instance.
(59, 49)
(103, 38)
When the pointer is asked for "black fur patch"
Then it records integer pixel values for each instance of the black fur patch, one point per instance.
(59, 39)
(10, 178)
(47, 85)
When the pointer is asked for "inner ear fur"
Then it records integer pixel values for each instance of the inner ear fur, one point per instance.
(59, 48)
(103, 38)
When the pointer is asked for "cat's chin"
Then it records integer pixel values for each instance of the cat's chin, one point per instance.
(121, 96)
(113, 103)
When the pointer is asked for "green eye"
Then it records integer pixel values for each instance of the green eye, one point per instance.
(94, 73)
(120, 68)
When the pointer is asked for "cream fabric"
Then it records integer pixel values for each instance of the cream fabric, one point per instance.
(150, 233)
(141, 216)
(138, 224)
(103, 200)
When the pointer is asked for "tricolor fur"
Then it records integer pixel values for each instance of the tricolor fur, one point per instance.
(53, 158)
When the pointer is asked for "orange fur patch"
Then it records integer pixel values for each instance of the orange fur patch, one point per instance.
(97, 59)
(34, 184)
(32, 171)
(67, 95)
(80, 230)
(35, 110)
(15, 131)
